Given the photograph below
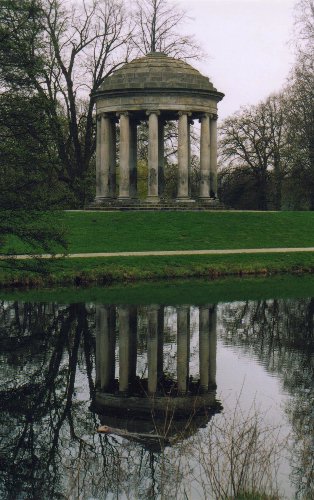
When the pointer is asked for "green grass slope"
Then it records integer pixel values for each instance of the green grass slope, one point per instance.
(139, 231)
(136, 231)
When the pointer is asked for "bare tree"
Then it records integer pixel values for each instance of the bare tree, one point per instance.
(64, 53)
(304, 22)
(158, 25)
(299, 97)
(254, 139)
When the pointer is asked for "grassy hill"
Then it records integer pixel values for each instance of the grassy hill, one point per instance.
(139, 231)
(136, 231)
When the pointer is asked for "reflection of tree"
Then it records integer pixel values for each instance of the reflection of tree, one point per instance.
(281, 333)
(37, 397)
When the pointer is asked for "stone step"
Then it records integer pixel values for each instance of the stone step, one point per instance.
(159, 207)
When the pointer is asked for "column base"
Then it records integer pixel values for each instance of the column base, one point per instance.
(152, 199)
(208, 199)
(184, 199)
(124, 198)
(101, 199)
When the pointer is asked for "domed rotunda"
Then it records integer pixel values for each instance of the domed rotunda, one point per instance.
(155, 88)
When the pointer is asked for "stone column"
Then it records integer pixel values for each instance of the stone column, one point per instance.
(205, 156)
(161, 157)
(112, 160)
(153, 165)
(103, 148)
(183, 158)
(133, 159)
(190, 122)
(183, 348)
(125, 157)
(213, 156)
(152, 348)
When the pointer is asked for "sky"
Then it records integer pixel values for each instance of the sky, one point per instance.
(249, 46)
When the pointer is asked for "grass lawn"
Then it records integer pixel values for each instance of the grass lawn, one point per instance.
(139, 231)
(136, 231)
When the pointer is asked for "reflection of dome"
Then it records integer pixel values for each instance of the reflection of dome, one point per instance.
(155, 422)
(157, 71)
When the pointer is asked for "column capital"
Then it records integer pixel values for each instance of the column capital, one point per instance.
(105, 115)
(122, 113)
(203, 116)
(152, 112)
(213, 116)
(182, 113)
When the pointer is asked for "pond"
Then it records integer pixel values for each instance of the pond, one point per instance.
(161, 390)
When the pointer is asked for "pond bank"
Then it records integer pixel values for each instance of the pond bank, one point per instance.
(100, 270)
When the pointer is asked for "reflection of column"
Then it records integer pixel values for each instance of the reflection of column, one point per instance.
(112, 160)
(133, 343)
(161, 157)
(112, 327)
(183, 157)
(183, 347)
(212, 345)
(207, 347)
(160, 355)
(153, 164)
(98, 337)
(124, 178)
(103, 157)
(105, 347)
(133, 159)
(213, 155)
(205, 157)
(152, 348)
(124, 348)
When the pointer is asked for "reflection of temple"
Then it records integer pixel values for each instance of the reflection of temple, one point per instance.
(156, 407)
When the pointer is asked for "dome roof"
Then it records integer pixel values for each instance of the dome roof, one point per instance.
(157, 71)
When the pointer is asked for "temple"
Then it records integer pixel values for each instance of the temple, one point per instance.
(155, 89)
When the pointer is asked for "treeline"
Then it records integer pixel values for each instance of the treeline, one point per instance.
(267, 150)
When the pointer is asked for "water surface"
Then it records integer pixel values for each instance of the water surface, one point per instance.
(184, 380)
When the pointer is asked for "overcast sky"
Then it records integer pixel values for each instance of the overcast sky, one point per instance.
(248, 43)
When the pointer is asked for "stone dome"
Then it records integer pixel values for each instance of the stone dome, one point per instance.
(157, 71)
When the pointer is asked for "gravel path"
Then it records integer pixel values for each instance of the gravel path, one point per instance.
(163, 252)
